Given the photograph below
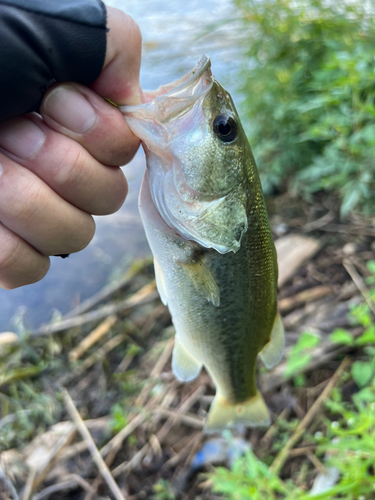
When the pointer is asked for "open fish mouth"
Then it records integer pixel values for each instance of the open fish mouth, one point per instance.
(190, 84)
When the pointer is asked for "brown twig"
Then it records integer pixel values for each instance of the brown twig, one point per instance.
(116, 442)
(62, 443)
(156, 371)
(319, 223)
(103, 351)
(8, 483)
(359, 283)
(29, 485)
(272, 431)
(309, 295)
(70, 483)
(104, 293)
(316, 462)
(133, 462)
(348, 229)
(303, 450)
(189, 418)
(144, 296)
(282, 456)
(102, 329)
(82, 429)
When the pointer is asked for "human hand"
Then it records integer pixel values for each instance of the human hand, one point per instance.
(58, 169)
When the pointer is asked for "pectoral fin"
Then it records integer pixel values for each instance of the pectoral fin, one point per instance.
(160, 282)
(272, 352)
(184, 366)
(224, 414)
(203, 281)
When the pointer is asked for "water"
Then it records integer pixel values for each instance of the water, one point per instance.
(175, 35)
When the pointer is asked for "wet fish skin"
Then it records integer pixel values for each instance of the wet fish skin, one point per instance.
(205, 219)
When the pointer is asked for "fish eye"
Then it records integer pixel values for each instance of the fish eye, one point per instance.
(225, 128)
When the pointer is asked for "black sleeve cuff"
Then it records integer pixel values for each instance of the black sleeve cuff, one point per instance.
(42, 42)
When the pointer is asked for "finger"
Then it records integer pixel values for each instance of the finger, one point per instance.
(119, 79)
(20, 264)
(64, 165)
(31, 209)
(79, 113)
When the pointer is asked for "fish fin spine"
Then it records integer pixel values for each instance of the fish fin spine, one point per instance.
(160, 282)
(272, 352)
(203, 281)
(223, 414)
(184, 366)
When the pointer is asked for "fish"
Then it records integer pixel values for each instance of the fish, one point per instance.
(205, 219)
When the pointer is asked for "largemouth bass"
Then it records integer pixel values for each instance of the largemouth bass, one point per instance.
(204, 215)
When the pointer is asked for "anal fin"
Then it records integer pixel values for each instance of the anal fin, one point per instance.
(272, 352)
(184, 366)
(223, 414)
(203, 281)
(160, 282)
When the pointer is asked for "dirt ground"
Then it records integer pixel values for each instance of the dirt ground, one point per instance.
(108, 363)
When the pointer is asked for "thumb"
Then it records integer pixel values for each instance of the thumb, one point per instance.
(119, 79)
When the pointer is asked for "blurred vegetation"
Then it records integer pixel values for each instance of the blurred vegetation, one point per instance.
(309, 84)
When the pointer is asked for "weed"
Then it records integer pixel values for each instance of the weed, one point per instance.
(309, 94)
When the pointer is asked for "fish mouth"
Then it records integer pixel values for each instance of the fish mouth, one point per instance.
(186, 86)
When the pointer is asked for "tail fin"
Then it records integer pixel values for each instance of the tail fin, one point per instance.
(222, 414)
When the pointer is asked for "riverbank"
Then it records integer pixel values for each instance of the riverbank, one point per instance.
(112, 356)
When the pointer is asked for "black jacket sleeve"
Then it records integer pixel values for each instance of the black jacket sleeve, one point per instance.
(47, 41)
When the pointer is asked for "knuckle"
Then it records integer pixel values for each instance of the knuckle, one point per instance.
(26, 205)
(135, 33)
(71, 168)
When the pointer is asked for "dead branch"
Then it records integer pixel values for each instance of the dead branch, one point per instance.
(8, 483)
(312, 294)
(86, 436)
(93, 337)
(105, 292)
(282, 456)
(145, 295)
(359, 283)
(71, 482)
(29, 485)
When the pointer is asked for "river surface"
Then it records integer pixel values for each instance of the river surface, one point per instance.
(175, 35)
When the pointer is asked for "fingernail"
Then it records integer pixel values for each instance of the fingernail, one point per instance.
(70, 109)
(21, 137)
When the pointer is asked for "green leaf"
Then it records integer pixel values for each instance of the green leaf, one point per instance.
(307, 340)
(296, 363)
(299, 380)
(370, 264)
(341, 336)
(350, 201)
(361, 373)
